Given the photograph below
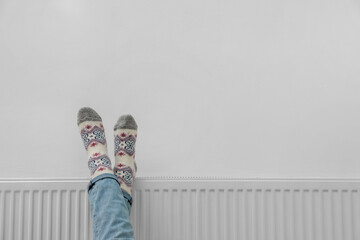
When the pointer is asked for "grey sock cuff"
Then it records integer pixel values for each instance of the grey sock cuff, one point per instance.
(87, 114)
(126, 122)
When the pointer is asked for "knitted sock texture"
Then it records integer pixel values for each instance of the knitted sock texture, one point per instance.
(125, 134)
(93, 135)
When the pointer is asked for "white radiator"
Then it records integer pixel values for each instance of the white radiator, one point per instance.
(190, 208)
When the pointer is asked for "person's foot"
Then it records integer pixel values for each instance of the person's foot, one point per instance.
(93, 136)
(125, 134)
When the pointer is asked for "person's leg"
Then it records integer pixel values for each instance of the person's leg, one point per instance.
(110, 210)
(125, 135)
(92, 133)
(109, 204)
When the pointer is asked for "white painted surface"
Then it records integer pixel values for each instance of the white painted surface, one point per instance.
(225, 88)
(201, 209)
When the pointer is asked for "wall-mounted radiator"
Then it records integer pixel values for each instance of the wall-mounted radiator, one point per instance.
(190, 208)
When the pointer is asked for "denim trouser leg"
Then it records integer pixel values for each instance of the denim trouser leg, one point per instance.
(110, 209)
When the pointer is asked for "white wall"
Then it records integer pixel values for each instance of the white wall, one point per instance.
(226, 88)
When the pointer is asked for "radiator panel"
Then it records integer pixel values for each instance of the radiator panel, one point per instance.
(198, 209)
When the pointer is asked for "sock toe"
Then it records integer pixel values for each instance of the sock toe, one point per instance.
(87, 114)
(126, 122)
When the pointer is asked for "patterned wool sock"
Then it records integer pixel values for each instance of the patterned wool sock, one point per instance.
(93, 135)
(125, 134)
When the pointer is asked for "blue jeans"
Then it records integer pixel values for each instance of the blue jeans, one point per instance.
(110, 209)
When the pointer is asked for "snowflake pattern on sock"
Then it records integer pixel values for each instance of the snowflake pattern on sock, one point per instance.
(92, 136)
(99, 163)
(124, 174)
(124, 143)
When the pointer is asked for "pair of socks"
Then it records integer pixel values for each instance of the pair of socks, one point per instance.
(93, 135)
